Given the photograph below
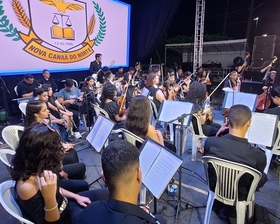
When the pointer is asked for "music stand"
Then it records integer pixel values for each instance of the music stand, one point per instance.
(233, 98)
(99, 135)
(183, 120)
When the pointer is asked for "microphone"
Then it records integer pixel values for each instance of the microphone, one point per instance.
(207, 110)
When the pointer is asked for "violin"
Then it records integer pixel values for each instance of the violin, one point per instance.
(122, 100)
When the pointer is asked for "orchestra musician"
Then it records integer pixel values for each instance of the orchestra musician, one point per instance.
(96, 65)
(233, 82)
(240, 65)
(109, 104)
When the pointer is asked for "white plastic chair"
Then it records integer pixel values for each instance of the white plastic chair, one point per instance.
(269, 152)
(75, 82)
(99, 110)
(8, 201)
(15, 89)
(22, 107)
(228, 174)
(3, 156)
(196, 137)
(130, 137)
(10, 135)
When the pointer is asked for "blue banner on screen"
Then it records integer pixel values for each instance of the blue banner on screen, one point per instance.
(62, 35)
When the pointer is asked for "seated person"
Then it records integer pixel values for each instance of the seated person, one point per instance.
(59, 123)
(197, 96)
(138, 121)
(70, 96)
(37, 158)
(122, 174)
(100, 75)
(46, 80)
(235, 147)
(36, 112)
(27, 86)
(275, 95)
(109, 104)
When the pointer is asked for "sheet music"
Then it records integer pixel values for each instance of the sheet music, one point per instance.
(145, 92)
(170, 110)
(148, 155)
(100, 132)
(263, 129)
(233, 98)
(158, 166)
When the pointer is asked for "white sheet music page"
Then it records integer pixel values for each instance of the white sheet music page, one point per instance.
(158, 167)
(263, 129)
(100, 132)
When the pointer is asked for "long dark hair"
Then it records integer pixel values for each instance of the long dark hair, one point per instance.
(196, 94)
(33, 106)
(108, 92)
(138, 116)
(39, 149)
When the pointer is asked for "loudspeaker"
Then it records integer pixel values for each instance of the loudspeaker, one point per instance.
(251, 87)
(263, 50)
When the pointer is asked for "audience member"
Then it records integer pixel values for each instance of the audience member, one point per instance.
(38, 156)
(122, 174)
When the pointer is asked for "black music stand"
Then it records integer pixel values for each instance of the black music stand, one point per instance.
(5, 90)
(98, 136)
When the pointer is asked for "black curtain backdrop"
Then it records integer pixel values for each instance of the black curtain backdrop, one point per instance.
(150, 20)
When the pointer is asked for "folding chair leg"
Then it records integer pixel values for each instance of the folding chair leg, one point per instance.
(240, 212)
(210, 201)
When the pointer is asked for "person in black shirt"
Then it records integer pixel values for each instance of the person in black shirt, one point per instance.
(47, 80)
(96, 65)
(122, 173)
(26, 88)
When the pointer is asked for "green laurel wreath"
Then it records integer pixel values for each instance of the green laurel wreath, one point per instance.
(6, 26)
(102, 24)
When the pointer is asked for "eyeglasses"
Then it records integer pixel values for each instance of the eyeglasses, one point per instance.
(50, 127)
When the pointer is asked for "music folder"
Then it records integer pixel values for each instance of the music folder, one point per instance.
(100, 132)
(170, 110)
(158, 165)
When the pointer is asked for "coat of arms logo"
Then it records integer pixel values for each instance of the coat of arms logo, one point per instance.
(58, 33)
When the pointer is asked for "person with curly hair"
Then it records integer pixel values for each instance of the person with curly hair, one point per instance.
(37, 159)
(109, 104)
(197, 96)
(72, 175)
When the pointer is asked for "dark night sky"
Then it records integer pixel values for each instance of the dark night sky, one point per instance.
(238, 11)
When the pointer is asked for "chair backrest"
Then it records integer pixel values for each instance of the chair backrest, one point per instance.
(154, 108)
(10, 135)
(228, 174)
(75, 82)
(99, 110)
(15, 89)
(8, 201)
(22, 107)
(130, 137)
(199, 127)
(3, 156)
(276, 146)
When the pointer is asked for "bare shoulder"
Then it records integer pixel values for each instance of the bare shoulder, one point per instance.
(27, 189)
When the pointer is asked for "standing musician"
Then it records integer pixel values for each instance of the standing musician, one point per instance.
(233, 82)
(129, 85)
(186, 81)
(206, 80)
(267, 66)
(96, 65)
(240, 65)
(138, 72)
(199, 74)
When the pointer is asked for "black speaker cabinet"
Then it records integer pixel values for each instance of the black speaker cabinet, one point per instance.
(251, 87)
(263, 50)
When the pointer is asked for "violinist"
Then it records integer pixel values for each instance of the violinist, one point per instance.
(109, 104)
(233, 82)
(186, 81)
(129, 85)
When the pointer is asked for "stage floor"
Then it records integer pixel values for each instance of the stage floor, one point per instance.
(194, 188)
